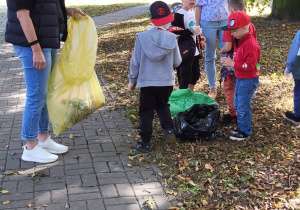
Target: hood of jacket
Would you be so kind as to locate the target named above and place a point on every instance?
(157, 43)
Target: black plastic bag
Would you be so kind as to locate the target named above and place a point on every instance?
(200, 122)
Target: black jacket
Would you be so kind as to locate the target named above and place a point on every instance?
(186, 43)
(44, 15)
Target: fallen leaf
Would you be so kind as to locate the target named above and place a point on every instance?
(129, 164)
(173, 208)
(236, 168)
(71, 136)
(131, 157)
(161, 165)
(210, 193)
(118, 152)
(20, 172)
(196, 166)
(133, 117)
(283, 25)
(4, 191)
(185, 163)
(29, 205)
(141, 159)
(170, 192)
(9, 172)
(209, 167)
(6, 202)
(204, 202)
(278, 185)
(192, 183)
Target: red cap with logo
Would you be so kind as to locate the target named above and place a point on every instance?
(237, 20)
(160, 13)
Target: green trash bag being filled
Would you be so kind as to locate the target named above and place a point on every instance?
(74, 91)
(183, 99)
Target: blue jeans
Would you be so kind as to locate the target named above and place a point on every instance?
(211, 31)
(244, 91)
(35, 115)
(297, 98)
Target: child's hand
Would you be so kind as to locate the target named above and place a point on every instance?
(202, 45)
(131, 86)
(288, 74)
(228, 62)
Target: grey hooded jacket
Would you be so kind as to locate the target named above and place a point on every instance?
(156, 54)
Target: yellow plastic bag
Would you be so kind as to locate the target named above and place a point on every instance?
(74, 91)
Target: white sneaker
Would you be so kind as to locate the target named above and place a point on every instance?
(53, 147)
(39, 155)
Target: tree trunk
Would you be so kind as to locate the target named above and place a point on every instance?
(286, 9)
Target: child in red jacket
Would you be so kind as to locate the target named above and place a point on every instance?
(246, 70)
(227, 73)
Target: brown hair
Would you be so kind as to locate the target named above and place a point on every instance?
(237, 5)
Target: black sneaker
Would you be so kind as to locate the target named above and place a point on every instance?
(291, 117)
(140, 148)
(170, 137)
(235, 131)
(238, 136)
(228, 119)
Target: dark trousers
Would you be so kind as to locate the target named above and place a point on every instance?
(188, 72)
(154, 98)
(297, 98)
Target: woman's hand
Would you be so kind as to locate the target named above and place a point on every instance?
(39, 61)
(72, 11)
(202, 45)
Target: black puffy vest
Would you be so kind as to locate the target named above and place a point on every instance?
(44, 16)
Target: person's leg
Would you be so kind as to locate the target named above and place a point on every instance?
(297, 98)
(220, 33)
(162, 109)
(43, 132)
(185, 74)
(209, 29)
(36, 94)
(245, 89)
(146, 113)
(229, 91)
(195, 72)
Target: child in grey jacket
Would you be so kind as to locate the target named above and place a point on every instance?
(155, 55)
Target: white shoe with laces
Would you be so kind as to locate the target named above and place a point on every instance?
(37, 154)
(53, 147)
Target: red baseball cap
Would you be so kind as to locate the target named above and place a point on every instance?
(237, 20)
(160, 13)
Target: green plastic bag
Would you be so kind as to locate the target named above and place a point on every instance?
(183, 99)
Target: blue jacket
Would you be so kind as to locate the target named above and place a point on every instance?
(155, 55)
(293, 60)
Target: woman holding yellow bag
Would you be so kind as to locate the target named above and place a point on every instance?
(35, 28)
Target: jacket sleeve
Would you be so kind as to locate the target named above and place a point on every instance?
(177, 57)
(249, 59)
(179, 22)
(295, 47)
(21, 4)
(135, 62)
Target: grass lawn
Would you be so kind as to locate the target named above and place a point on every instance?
(97, 10)
(259, 173)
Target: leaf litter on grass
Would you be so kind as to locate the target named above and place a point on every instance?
(261, 172)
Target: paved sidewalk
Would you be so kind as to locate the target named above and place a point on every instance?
(92, 175)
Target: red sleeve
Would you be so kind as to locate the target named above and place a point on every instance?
(227, 37)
